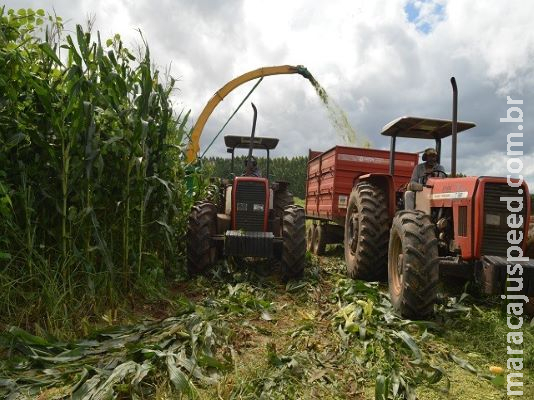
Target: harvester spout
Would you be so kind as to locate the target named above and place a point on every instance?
(302, 70)
(194, 145)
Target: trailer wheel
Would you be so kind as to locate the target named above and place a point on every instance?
(319, 244)
(202, 225)
(366, 233)
(413, 267)
(294, 247)
(310, 237)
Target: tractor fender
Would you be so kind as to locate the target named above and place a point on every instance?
(384, 182)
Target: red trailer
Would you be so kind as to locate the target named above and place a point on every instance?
(332, 175)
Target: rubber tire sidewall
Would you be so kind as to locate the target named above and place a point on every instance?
(420, 271)
(311, 231)
(294, 245)
(369, 262)
(320, 240)
(202, 225)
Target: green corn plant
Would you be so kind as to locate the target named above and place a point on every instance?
(91, 170)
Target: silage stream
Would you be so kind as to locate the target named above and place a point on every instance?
(338, 118)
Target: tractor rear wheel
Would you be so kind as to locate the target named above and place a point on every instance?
(202, 225)
(366, 233)
(413, 267)
(294, 247)
(319, 244)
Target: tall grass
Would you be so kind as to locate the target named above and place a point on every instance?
(92, 191)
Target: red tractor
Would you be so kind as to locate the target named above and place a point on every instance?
(250, 217)
(458, 225)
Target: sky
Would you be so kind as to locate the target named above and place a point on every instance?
(377, 60)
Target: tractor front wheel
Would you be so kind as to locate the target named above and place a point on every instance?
(413, 265)
(294, 246)
(282, 199)
(202, 225)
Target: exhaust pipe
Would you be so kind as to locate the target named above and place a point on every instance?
(454, 124)
(253, 131)
(251, 147)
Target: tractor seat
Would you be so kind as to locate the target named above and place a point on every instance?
(409, 194)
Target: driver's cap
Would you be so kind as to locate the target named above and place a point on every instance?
(428, 152)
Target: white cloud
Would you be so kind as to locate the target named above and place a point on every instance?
(376, 59)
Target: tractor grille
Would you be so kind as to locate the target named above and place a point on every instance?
(495, 242)
(250, 203)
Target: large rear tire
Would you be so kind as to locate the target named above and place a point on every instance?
(367, 233)
(413, 267)
(294, 246)
(202, 225)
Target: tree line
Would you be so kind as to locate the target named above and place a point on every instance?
(292, 170)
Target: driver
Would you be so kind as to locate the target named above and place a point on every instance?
(429, 167)
(251, 168)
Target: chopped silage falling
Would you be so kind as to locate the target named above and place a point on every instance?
(338, 118)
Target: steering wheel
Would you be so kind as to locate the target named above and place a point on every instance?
(434, 174)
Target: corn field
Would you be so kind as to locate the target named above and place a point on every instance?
(92, 189)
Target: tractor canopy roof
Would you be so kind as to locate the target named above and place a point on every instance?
(423, 128)
(243, 142)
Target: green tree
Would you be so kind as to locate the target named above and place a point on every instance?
(292, 170)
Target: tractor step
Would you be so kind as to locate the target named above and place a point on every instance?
(249, 244)
(492, 275)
